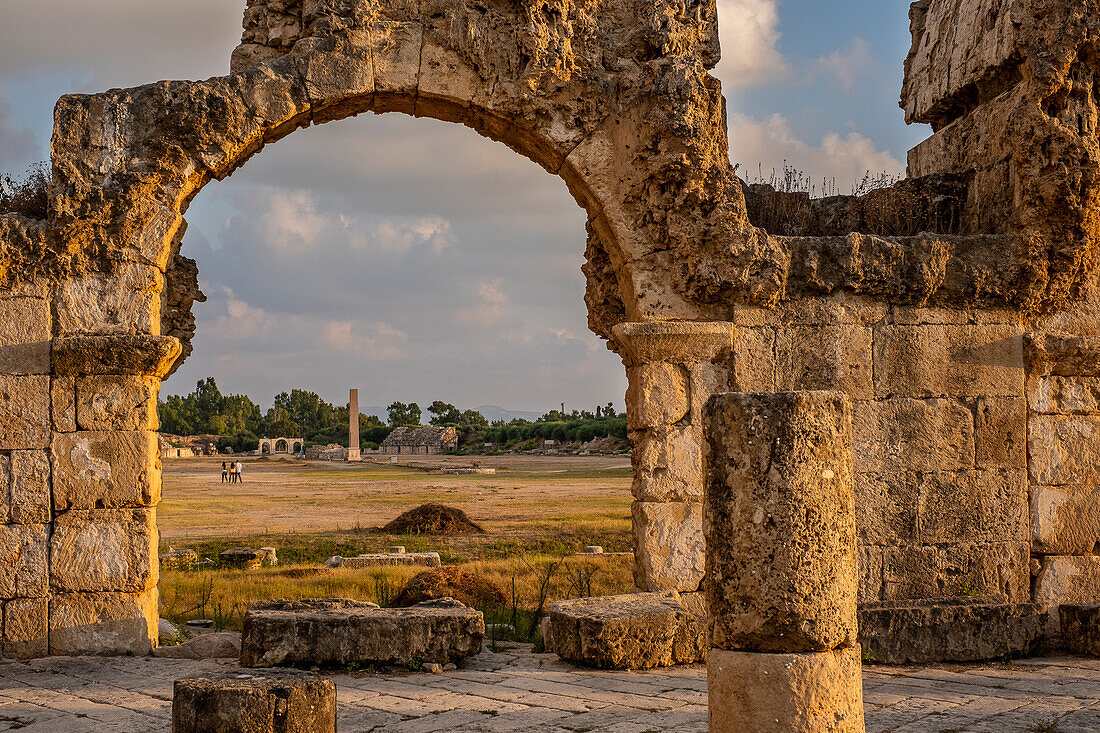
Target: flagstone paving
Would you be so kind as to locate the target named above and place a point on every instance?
(515, 690)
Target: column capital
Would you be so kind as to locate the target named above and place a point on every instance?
(678, 342)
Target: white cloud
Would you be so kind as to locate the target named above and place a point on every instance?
(402, 236)
(749, 33)
(847, 63)
(292, 221)
(762, 146)
(491, 308)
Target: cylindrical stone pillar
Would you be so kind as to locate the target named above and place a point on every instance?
(353, 426)
(781, 573)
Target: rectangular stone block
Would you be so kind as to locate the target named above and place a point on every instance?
(25, 625)
(1064, 395)
(23, 560)
(972, 507)
(25, 332)
(706, 379)
(1080, 625)
(886, 508)
(126, 402)
(781, 568)
(668, 545)
(126, 301)
(870, 573)
(656, 395)
(993, 570)
(1001, 432)
(668, 464)
(1065, 520)
(262, 701)
(24, 412)
(753, 360)
(63, 400)
(941, 361)
(103, 623)
(104, 550)
(1064, 449)
(782, 693)
(396, 57)
(904, 434)
(105, 470)
(824, 357)
(1068, 580)
(27, 500)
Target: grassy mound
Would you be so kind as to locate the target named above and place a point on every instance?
(472, 589)
(433, 519)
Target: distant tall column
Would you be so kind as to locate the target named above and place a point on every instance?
(353, 426)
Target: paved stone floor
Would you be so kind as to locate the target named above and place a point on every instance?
(515, 690)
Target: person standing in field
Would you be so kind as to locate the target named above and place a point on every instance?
(232, 472)
(240, 476)
(225, 472)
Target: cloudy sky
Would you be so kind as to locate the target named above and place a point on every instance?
(412, 258)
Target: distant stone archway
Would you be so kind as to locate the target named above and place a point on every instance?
(920, 318)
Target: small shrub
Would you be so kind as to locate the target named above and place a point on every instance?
(26, 196)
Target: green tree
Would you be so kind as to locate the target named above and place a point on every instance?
(402, 415)
(444, 413)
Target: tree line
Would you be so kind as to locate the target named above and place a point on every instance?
(239, 422)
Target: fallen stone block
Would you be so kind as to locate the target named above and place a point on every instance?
(379, 559)
(1081, 628)
(243, 558)
(254, 701)
(178, 559)
(337, 632)
(218, 645)
(949, 631)
(637, 631)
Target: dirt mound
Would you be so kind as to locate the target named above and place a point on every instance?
(433, 519)
(476, 591)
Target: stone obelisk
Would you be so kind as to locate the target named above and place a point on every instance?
(353, 426)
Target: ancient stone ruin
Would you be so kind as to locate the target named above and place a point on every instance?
(958, 309)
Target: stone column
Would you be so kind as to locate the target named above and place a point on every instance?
(781, 576)
(353, 426)
(673, 368)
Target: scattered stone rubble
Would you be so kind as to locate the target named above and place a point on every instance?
(338, 632)
(381, 559)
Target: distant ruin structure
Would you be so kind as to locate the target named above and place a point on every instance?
(280, 446)
(353, 426)
(957, 310)
(429, 440)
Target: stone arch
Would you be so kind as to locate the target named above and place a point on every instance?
(265, 446)
(296, 446)
(281, 446)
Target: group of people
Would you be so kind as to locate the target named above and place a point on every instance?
(231, 472)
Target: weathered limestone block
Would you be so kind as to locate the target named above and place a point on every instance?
(126, 301)
(63, 404)
(668, 545)
(216, 645)
(1080, 627)
(337, 632)
(965, 630)
(1064, 449)
(992, 570)
(1064, 395)
(973, 506)
(870, 573)
(104, 550)
(1000, 433)
(103, 623)
(254, 701)
(27, 500)
(106, 470)
(656, 396)
(25, 332)
(117, 354)
(24, 412)
(941, 361)
(23, 560)
(1065, 520)
(374, 560)
(682, 342)
(338, 75)
(25, 628)
(638, 631)
(706, 379)
(127, 402)
(1068, 580)
(815, 692)
(915, 435)
(780, 522)
(824, 357)
(396, 55)
(668, 464)
(753, 360)
(886, 508)
(242, 558)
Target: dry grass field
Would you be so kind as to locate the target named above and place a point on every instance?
(537, 513)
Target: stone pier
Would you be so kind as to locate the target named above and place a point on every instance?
(353, 426)
(781, 573)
